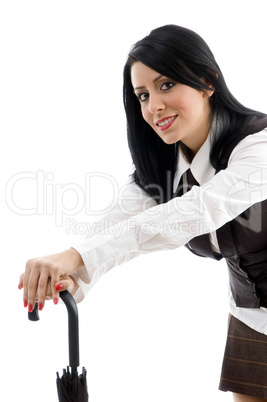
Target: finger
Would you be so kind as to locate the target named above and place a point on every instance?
(36, 269)
(32, 292)
(56, 274)
(43, 286)
(48, 290)
(26, 276)
(20, 286)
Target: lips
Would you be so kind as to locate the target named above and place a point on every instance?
(166, 122)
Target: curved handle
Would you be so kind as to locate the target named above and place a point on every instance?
(72, 309)
(73, 329)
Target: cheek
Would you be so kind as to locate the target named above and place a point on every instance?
(197, 103)
(188, 100)
(146, 115)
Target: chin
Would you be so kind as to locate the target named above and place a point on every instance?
(170, 140)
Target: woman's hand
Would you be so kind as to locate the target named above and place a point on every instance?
(44, 277)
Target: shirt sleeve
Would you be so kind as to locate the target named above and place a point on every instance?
(144, 227)
(131, 201)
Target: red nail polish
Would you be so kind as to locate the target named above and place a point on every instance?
(55, 301)
(41, 306)
(25, 303)
(59, 287)
(19, 287)
(30, 308)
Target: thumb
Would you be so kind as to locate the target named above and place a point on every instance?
(65, 284)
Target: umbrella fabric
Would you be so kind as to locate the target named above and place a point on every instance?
(72, 390)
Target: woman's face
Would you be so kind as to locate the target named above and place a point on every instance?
(175, 111)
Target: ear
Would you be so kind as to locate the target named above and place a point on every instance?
(207, 93)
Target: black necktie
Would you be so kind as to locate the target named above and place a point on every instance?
(199, 245)
(187, 181)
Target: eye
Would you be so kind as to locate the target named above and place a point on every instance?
(167, 85)
(143, 96)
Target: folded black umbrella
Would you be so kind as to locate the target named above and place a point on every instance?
(71, 386)
(72, 389)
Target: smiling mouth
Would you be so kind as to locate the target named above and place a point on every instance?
(164, 124)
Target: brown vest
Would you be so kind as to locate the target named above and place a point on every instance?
(243, 244)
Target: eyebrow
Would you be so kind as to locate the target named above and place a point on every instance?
(154, 81)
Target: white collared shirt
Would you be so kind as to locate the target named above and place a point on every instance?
(138, 225)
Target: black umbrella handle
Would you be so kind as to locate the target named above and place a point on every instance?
(72, 309)
(34, 314)
(73, 329)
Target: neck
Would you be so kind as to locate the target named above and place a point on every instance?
(200, 136)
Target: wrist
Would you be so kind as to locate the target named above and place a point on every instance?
(75, 260)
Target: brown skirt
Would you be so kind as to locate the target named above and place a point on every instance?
(244, 368)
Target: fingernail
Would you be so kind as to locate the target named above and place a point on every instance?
(19, 287)
(41, 306)
(58, 287)
(55, 301)
(25, 303)
(30, 308)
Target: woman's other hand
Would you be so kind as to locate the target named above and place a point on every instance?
(45, 277)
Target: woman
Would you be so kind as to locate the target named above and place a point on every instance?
(200, 180)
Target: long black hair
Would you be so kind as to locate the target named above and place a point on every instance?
(181, 55)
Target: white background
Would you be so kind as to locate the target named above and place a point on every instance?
(145, 334)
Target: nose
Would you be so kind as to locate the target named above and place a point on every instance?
(156, 104)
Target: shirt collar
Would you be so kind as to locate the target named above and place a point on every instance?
(200, 166)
